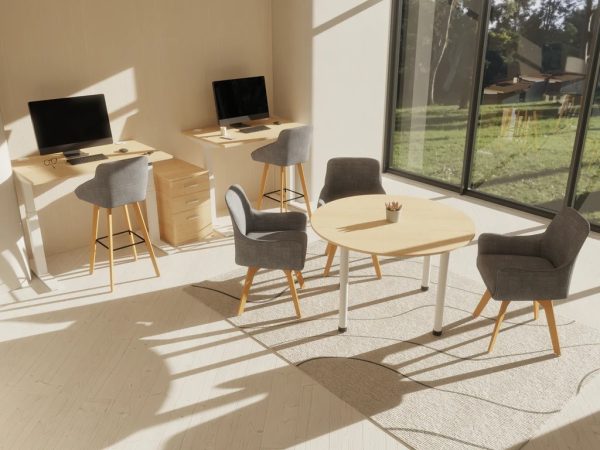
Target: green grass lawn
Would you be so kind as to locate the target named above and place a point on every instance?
(527, 163)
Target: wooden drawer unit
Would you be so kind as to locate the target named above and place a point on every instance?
(183, 196)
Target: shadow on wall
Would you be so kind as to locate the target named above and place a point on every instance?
(13, 262)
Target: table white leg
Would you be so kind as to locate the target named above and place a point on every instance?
(426, 272)
(438, 321)
(343, 324)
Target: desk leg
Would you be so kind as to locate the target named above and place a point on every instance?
(31, 224)
(426, 272)
(152, 209)
(209, 165)
(438, 321)
(343, 324)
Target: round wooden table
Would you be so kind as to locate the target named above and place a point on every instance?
(425, 228)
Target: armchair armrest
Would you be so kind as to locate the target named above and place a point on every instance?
(291, 221)
(498, 244)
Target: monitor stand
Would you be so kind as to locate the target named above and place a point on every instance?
(239, 125)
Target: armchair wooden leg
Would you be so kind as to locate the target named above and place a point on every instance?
(110, 247)
(300, 278)
(263, 182)
(95, 217)
(549, 310)
(377, 266)
(328, 248)
(536, 310)
(330, 256)
(304, 190)
(131, 238)
(499, 320)
(247, 284)
(485, 298)
(140, 218)
(290, 278)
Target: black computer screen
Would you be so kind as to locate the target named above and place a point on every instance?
(241, 99)
(65, 124)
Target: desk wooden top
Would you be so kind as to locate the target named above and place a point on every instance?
(35, 171)
(212, 134)
(425, 227)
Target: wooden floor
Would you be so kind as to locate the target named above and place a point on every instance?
(149, 366)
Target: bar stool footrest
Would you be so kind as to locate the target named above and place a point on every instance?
(141, 240)
(297, 195)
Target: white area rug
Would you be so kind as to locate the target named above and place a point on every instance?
(430, 392)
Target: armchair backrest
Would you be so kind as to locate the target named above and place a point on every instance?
(346, 177)
(564, 237)
(239, 208)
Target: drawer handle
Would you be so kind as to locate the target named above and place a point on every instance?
(191, 185)
(192, 217)
(197, 200)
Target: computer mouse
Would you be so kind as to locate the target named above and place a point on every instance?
(277, 122)
(123, 150)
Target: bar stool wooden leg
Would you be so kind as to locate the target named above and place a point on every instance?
(95, 217)
(131, 238)
(304, 190)
(536, 310)
(293, 292)
(140, 218)
(263, 182)
(247, 285)
(285, 184)
(282, 186)
(330, 256)
(110, 247)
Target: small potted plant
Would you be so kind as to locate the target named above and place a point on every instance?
(392, 211)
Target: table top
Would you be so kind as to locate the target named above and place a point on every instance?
(34, 170)
(212, 134)
(426, 227)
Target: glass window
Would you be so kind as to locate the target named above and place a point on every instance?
(535, 69)
(437, 54)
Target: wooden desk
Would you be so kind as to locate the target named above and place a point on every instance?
(214, 146)
(34, 171)
(425, 228)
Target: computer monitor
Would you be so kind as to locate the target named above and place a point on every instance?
(240, 99)
(70, 124)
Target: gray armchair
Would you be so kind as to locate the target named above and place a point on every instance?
(346, 177)
(537, 267)
(268, 241)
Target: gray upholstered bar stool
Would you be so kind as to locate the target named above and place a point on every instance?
(346, 177)
(116, 184)
(534, 268)
(291, 149)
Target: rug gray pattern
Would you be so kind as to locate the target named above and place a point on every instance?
(430, 392)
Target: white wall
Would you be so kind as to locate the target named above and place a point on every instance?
(13, 263)
(330, 69)
(153, 60)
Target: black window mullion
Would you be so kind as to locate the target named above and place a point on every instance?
(478, 69)
(584, 115)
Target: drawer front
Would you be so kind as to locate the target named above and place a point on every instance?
(187, 226)
(183, 186)
(173, 205)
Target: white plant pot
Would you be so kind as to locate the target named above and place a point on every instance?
(392, 216)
